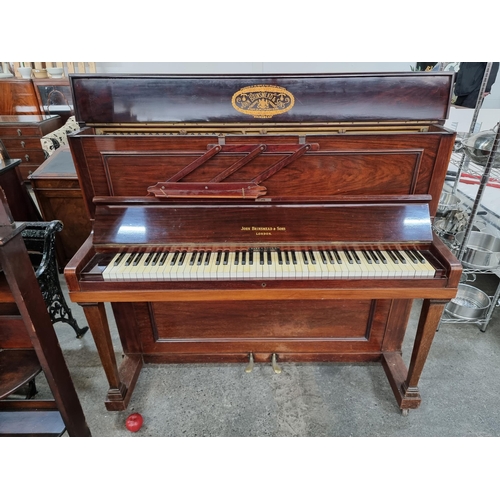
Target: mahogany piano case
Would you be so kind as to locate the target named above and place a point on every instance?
(272, 218)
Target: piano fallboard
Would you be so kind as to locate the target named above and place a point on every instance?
(260, 223)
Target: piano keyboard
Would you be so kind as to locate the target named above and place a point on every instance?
(268, 264)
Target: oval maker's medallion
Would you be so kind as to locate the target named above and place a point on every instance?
(263, 101)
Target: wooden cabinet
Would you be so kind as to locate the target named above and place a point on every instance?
(20, 202)
(18, 97)
(38, 96)
(59, 197)
(21, 136)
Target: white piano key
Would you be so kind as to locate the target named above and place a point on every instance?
(224, 271)
(425, 268)
(279, 264)
(125, 270)
(137, 269)
(394, 271)
(110, 272)
(147, 267)
(211, 271)
(368, 269)
(162, 266)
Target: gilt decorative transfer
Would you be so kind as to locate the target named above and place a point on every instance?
(263, 101)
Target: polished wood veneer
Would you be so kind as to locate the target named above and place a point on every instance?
(322, 161)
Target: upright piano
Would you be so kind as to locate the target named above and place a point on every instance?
(262, 218)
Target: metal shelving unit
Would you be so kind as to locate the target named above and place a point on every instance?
(484, 175)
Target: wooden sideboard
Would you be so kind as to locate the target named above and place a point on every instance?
(59, 197)
(21, 136)
(20, 202)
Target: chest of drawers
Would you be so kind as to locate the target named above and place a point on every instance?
(21, 136)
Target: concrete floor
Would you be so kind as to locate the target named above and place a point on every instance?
(459, 388)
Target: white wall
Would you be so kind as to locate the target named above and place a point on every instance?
(248, 67)
(460, 119)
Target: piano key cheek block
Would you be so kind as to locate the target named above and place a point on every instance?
(262, 219)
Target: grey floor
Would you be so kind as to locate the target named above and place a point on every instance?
(460, 389)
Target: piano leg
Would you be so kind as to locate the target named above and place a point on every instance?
(404, 382)
(121, 380)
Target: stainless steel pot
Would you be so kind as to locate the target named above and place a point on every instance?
(469, 303)
(447, 203)
(478, 148)
(482, 250)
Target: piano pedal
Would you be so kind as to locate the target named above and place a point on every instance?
(274, 363)
(249, 367)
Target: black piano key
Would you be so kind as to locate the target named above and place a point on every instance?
(219, 257)
(261, 261)
(148, 259)
(400, 257)
(226, 258)
(163, 258)
(294, 257)
(156, 257)
(348, 257)
(250, 257)
(331, 257)
(355, 256)
(312, 258)
(174, 258)
(280, 257)
(392, 256)
(200, 258)
(183, 258)
(236, 258)
(304, 257)
(337, 256)
(374, 256)
(119, 259)
(287, 258)
(130, 259)
(269, 258)
(192, 260)
(323, 257)
(418, 255)
(381, 256)
(367, 256)
(207, 258)
(411, 256)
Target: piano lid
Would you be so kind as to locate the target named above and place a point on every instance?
(306, 98)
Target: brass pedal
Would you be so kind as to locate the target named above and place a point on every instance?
(274, 363)
(249, 367)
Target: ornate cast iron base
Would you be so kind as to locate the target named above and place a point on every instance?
(40, 239)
